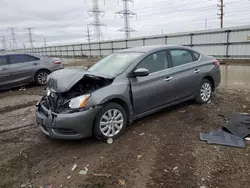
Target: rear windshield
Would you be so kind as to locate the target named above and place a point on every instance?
(115, 63)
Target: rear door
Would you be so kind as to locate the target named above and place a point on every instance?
(4, 71)
(22, 67)
(185, 72)
(149, 92)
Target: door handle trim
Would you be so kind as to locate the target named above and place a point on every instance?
(168, 78)
(197, 70)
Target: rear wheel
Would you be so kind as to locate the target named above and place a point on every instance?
(41, 77)
(110, 122)
(205, 92)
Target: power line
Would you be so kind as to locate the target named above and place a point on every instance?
(88, 35)
(30, 34)
(13, 38)
(4, 43)
(126, 14)
(221, 14)
(96, 13)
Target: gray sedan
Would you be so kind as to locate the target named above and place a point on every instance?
(20, 69)
(122, 87)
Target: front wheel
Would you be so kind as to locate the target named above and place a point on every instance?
(205, 92)
(110, 122)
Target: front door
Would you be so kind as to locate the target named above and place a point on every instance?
(4, 71)
(149, 92)
(22, 67)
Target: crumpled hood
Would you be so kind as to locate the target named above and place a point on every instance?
(64, 79)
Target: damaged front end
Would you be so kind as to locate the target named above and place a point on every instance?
(69, 91)
(63, 112)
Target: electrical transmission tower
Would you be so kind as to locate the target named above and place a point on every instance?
(4, 43)
(13, 38)
(88, 35)
(221, 14)
(96, 13)
(126, 14)
(30, 34)
(45, 42)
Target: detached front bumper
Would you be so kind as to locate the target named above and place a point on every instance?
(66, 126)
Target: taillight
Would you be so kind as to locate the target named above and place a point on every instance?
(216, 62)
(57, 62)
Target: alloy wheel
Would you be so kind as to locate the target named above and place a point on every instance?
(111, 122)
(205, 91)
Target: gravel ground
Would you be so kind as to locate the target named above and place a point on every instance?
(160, 150)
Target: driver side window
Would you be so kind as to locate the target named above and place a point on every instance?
(154, 62)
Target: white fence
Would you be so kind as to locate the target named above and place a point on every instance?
(221, 43)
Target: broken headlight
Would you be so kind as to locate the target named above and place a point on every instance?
(78, 102)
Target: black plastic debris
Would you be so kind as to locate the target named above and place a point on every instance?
(222, 138)
(236, 128)
(237, 123)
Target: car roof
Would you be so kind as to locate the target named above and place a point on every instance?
(19, 53)
(145, 49)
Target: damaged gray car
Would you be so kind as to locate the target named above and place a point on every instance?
(122, 87)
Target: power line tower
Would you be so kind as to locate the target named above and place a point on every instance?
(126, 14)
(13, 38)
(96, 13)
(221, 14)
(4, 43)
(88, 35)
(30, 34)
(45, 42)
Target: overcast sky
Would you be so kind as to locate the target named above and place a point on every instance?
(64, 21)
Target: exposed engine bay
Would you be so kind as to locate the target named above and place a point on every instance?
(59, 102)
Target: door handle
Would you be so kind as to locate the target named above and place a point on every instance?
(4, 69)
(168, 79)
(197, 70)
(35, 63)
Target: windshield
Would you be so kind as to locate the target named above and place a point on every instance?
(114, 64)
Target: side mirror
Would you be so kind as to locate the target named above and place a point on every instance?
(140, 72)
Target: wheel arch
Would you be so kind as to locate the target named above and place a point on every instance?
(211, 80)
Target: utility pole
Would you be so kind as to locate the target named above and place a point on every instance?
(96, 13)
(13, 38)
(4, 43)
(126, 14)
(221, 14)
(88, 35)
(45, 42)
(205, 24)
(24, 46)
(30, 37)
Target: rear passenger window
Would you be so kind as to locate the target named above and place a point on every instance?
(3, 60)
(196, 56)
(180, 57)
(21, 58)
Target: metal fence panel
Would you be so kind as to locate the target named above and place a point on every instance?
(239, 36)
(179, 40)
(119, 44)
(157, 41)
(134, 43)
(106, 45)
(211, 50)
(210, 38)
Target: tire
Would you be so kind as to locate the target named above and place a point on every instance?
(41, 77)
(109, 129)
(205, 92)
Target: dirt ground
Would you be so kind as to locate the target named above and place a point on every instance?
(161, 150)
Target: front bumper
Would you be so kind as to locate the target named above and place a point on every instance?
(66, 126)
